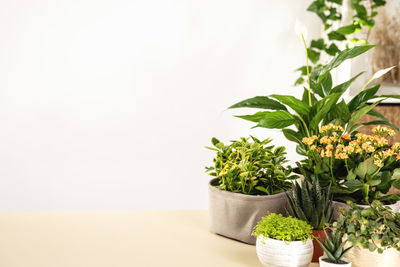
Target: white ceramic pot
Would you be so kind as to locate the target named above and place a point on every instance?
(364, 258)
(328, 264)
(272, 252)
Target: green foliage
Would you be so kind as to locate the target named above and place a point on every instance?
(320, 104)
(334, 245)
(310, 203)
(283, 228)
(329, 11)
(376, 228)
(252, 168)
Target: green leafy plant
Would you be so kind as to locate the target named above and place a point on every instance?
(252, 168)
(320, 104)
(287, 229)
(360, 167)
(334, 246)
(376, 228)
(336, 36)
(310, 203)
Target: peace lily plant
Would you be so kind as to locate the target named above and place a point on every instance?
(321, 103)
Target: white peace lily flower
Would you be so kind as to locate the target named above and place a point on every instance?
(380, 73)
(300, 29)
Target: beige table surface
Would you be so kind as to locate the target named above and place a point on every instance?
(117, 238)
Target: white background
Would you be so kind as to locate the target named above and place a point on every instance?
(108, 104)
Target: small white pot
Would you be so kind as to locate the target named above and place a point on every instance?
(328, 264)
(272, 252)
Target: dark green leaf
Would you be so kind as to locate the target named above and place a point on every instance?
(332, 50)
(319, 44)
(360, 113)
(325, 105)
(349, 29)
(362, 98)
(271, 119)
(334, 35)
(294, 103)
(259, 102)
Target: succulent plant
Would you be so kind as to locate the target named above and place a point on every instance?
(311, 203)
(334, 246)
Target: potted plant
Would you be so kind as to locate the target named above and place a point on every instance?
(321, 103)
(374, 232)
(334, 248)
(361, 168)
(312, 204)
(250, 180)
(283, 241)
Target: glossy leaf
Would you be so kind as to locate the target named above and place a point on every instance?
(271, 119)
(294, 103)
(262, 102)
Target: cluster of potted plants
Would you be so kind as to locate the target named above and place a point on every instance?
(336, 204)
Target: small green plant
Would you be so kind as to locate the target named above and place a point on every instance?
(287, 229)
(334, 246)
(251, 168)
(376, 228)
(311, 203)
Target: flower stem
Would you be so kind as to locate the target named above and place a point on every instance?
(308, 71)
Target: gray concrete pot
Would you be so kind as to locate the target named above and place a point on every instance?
(234, 215)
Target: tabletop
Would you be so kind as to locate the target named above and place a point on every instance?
(117, 238)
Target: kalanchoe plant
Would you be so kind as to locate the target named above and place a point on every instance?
(376, 228)
(319, 105)
(334, 246)
(310, 203)
(361, 168)
(252, 168)
(287, 229)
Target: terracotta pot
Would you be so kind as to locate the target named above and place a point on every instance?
(318, 251)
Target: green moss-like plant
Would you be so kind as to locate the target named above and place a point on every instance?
(251, 168)
(286, 229)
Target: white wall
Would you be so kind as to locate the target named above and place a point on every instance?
(108, 104)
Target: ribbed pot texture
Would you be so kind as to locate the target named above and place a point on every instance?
(318, 251)
(234, 215)
(364, 258)
(276, 253)
(323, 263)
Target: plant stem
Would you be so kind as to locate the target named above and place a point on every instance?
(331, 168)
(308, 72)
(304, 124)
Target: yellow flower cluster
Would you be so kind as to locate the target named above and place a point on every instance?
(330, 127)
(309, 140)
(383, 130)
(341, 146)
